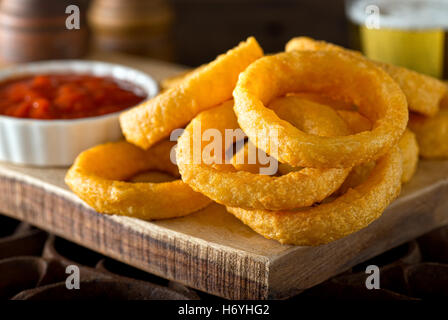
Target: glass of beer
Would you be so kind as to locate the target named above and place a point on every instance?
(408, 33)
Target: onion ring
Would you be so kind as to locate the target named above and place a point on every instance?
(245, 189)
(209, 86)
(407, 144)
(246, 165)
(352, 119)
(409, 150)
(327, 222)
(422, 92)
(312, 117)
(338, 74)
(432, 134)
(99, 176)
(355, 121)
(308, 115)
(347, 111)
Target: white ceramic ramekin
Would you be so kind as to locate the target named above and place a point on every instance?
(58, 142)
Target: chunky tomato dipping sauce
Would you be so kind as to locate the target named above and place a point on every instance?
(66, 96)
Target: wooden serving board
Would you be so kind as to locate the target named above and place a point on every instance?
(211, 250)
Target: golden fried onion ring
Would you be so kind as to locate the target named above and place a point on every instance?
(99, 177)
(352, 119)
(407, 144)
(245, 189)
(422, 92)
(306, 114)
(432, 134)
(205, 88)
(311, 117)
(327, 222)
(355, 121)
(409, 151)
(338, 74)
(325, 100)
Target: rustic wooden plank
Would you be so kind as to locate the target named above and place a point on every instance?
(211, 250)
(142, 244)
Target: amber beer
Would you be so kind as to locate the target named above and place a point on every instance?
(409, 33)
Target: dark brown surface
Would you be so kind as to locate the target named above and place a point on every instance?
(409, 272)
(39, 272)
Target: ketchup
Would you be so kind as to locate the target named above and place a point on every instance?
(66, 96)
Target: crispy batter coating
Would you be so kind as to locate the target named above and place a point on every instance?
(325, 100)
(174, 81)
(355, 121)
(358, 175)
(432, 134)
(327, 222)
(338, 75)
(407, 144)
(209, 86)
(100, 176)
(245, 189)
(423, 92)
(304, 112)
(309, 116)
(352, 119)
(348, 112)
(409, 150)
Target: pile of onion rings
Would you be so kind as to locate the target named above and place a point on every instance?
(102, 176)
(248, 190)
(304, 146)
(334, 73)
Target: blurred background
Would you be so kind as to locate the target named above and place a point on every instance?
(189, 32)
(205, 28)
(411, 33)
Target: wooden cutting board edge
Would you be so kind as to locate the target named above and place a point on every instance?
(210, 267)
(426, 208)
(188, 260)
